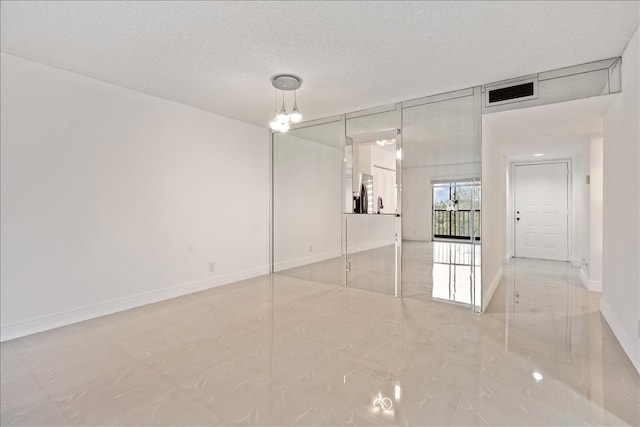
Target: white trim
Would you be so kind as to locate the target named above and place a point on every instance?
(17, 330)
(447, 96)
(584, 277)
(625, 340)
(576, 262)
(491, 289)
(369, 246)
(298, 262)
(595, 286)
(507, 258)
(371, 111)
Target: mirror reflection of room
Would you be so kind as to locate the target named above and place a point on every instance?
(374, 174)
(441, 208)
(371, 244)
(306, 203)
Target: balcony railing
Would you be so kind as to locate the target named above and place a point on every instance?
(456, 224)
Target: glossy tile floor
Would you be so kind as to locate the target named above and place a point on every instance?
(280, 350)
(442, 270)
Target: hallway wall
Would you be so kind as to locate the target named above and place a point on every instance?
(620, 303)
(112, 198)
(596, 208)
(491, 213)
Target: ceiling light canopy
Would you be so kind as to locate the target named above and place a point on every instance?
(282, 119)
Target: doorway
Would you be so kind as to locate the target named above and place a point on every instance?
(541, 202)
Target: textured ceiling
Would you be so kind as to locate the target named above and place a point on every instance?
(219, 56)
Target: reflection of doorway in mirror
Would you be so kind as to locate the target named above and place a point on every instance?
(380, 163)
(384, 186)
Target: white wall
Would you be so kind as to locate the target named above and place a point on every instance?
(493, 171)
(112, 199)
(366, 232)
(381, 164)
(581, 209)
(595, 215)
(620, 302)
(383, 169)
(504, 199)
(307, 201)
(509, 251)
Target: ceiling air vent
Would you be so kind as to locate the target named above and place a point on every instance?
(512, 92)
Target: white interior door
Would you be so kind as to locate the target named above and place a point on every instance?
(541, 211)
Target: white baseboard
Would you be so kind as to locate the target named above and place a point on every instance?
(595, 286)
(299, 262)
(591, 285)
(507, 258)
(491, 288)
(584, 277)
(626, 340)
(17, 330)
(576, 262)
(369, 246)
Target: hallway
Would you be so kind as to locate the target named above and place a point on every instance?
(279, 350)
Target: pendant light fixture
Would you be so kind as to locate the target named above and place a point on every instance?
(273, 124)
(282, 119)
(295, 115)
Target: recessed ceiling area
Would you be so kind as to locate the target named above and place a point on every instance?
(555, 130)
(220, 56)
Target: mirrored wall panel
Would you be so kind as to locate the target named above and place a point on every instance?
(307, 203)
(441, 197)
(370, 197)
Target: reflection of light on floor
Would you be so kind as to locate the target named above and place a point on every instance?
(383, 405)
(454, 273)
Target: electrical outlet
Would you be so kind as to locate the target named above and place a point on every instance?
(212, 266)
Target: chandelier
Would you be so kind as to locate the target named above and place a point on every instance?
(282, 119)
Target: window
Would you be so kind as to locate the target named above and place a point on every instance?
(456, 210)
